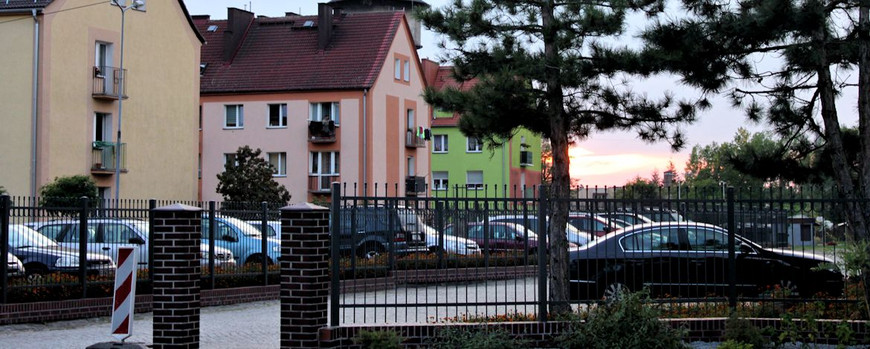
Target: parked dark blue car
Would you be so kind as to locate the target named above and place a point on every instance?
(41, 255)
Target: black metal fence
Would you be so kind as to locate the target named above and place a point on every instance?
(481, 260)
(45, 243)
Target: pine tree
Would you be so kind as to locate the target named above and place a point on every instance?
(541, 65)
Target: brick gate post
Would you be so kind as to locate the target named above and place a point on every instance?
(176, 235)
(304, 274)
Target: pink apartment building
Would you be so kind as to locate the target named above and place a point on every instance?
(332, 97)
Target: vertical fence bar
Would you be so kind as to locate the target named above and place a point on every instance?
(264, 207)
(4, 248)
(732, 262)
(334, 284)
(543, 202)
(211, 229)
(439, 224)
(83, 245)
(152, 204)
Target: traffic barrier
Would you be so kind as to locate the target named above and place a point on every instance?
(125, 293)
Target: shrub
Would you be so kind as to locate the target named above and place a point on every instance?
(732, 344)
(628, 322)
(61, 197)
(476, 337)
(378, 339)
(742, 331)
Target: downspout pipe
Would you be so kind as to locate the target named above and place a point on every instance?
(34, 113)
(365, 179)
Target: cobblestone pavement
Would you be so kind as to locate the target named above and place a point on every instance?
(249, 325)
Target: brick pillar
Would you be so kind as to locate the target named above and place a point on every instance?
(304, 274)
(176, 235)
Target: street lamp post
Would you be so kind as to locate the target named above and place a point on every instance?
(122, 84)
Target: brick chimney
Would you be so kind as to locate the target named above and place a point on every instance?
(324, 25)
(237, 24)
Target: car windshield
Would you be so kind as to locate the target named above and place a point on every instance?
(246, 228)
(23, 237)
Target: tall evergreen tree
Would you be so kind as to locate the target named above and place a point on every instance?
(820, 44)
(249, 179)
(543, 65)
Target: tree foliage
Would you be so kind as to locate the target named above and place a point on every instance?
(64, 194)
(249, 179)
(817, 47)
(641, 189)
(545, 66)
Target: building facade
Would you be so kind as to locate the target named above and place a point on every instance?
(465, 166)
(60, 96)
(329, 98)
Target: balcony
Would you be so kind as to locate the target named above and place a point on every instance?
(321, 131)
(321, 184)
(415, 185)
(413, 141)
(108, 82)
(103, 157)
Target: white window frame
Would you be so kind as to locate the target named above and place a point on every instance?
(411, 166)
(411, 120)
(407, 71)
(230, 157)
(398, 69)
(239, 116)
(106, 120)
(472, 184)
(439, 144)
(279, 161)
(316, 159)
(282, 115)
(315, 111)
(440, 180)
(476, 147)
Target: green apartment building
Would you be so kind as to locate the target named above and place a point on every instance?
(463, 166)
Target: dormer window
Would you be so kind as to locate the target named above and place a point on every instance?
(212, 28)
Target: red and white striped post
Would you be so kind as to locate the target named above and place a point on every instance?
(125, 293)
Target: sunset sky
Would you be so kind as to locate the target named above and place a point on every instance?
(604, 158)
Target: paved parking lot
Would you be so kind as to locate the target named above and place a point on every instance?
(248, 325)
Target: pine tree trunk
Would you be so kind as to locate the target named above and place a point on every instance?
(864, 130)
(558, 241)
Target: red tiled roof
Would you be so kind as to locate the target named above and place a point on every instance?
(443, 79)
(281, 54)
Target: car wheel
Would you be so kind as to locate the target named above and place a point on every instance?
(258, 260)
(35, 271)
(614, 291)
(788, 288)
(369, 250)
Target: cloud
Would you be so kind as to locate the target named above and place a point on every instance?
(616, 169)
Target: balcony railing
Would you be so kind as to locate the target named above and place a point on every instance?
(321, 183)
(108, 81)
(321, 131)
(412, 141)
(103, 157)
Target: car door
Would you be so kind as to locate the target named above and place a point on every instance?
(67, 234)
(653, 258)
(752, 268)
(113, 235)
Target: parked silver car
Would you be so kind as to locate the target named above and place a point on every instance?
(41, 255)
(14, 267)
(106, 235)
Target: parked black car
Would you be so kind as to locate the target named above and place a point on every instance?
(41, 255)
(497, 236)
(370, 230)
(691, 260)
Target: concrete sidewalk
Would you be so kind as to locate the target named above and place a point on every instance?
(247, 325)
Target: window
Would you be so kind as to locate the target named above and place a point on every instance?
(707, 240)
(115, 233)
(411, 122)
(235, 116)
(412, 166)
(322, 167)
(474, 180)
(277, 115)
(474, 145)
(398, 69)
(407, 71)
(439, 143)
(324, 111)
(102, 57)
(439, 180)
(102, 127)
(230, 159)
(279, 164)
